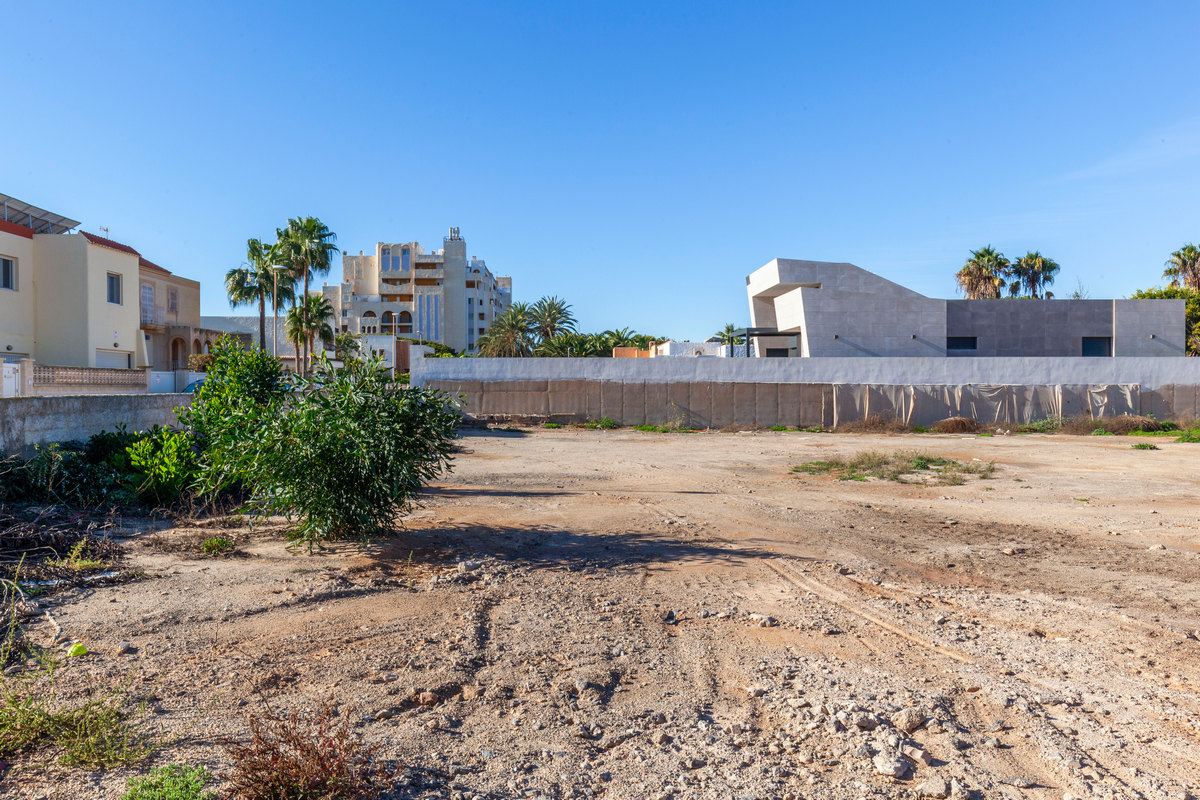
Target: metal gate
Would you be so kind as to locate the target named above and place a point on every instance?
(162, 382)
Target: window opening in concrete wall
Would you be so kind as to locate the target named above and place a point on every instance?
(8, 274)
(776, 352)
(962, 343)
(1097, 346)
(114, 288)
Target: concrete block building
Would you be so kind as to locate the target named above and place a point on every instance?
(401, 290)
(821, 309)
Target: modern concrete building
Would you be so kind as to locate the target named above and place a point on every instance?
(401, 290)
(818, 308)
(83, 300)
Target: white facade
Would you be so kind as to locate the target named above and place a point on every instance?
(401, 290)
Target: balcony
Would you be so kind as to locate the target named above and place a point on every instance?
(153, 317)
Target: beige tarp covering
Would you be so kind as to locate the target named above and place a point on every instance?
(1014, 405)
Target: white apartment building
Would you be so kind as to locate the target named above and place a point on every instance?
(401, 290)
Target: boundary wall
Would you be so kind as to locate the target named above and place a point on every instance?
(718, 393)
(26, 421)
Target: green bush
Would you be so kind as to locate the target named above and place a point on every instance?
(604, 424)
(167, 464)
(343, 456)
(1145, 446)
(1192, 436)
(172, 782)
(64, 474)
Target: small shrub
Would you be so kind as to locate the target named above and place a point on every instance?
(1047, 425)
(956, 425)
(778, 428)
(216, 546)
(167, 463)
(302, 757)
(1192, 436)
(920, 429)
(171, 782)
(77, 559)
(199, 362)
(552, 425)
(1102, 432)
(1144, 446)
(604, 424)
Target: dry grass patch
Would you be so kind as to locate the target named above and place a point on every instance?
(877, 423)
(956, 425)
(902, 466)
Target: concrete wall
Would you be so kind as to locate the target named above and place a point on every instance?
(26, 421)
(1149, 328)
(1039, 328)
(1149, 373)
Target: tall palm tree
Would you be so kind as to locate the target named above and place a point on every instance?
(726, 335)
(255, 282)
(1034, 272)
(551, 316)
(307, 246)
(511, 334)
(621, 337)
(1183, 267)
(985, 275)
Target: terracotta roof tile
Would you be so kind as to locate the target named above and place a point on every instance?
(109, 243)
(150, 265)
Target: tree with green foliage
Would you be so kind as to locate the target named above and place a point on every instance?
(985, 275)
(1191, 298)
(1183, 267)
(317, 320)
(1031, 274)
(255, 282)
(511, 335)
(727, 335)
(551, 316)
(346, 346)
(307, 246)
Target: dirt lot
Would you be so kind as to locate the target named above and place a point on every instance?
(647, 615)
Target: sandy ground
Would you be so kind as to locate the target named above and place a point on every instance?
(679, 615)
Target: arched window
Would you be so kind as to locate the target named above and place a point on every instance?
(405, 318)
(196, 347)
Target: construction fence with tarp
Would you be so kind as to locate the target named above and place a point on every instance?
(763, 405)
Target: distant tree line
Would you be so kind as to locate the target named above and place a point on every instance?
(548, 328)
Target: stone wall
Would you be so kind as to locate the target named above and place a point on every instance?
(26, 421)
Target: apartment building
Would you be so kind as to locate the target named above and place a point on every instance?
(83, 300)
(401, 290)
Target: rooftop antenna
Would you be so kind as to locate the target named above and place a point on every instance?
(103, 230)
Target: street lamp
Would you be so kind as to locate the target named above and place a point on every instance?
(275, 270)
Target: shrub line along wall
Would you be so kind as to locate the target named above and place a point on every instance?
(702, 392)
(26, 421)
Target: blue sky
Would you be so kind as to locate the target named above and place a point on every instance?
(636, 159)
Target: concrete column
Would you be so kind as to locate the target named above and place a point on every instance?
(25, 386)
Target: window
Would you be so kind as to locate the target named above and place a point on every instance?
(776, 352)
(481, 316)
(173, 300)
(8, 274)
(481, 331)
(114, 288)
(962, 343)
(1097, 346)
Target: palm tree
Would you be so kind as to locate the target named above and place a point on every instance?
(1184, 267)
(1033, 272)
(307, 246)
(551, 316)
(293, 328)
(511, 334)
(621, 337)
(985, 275)
(317, 317)
(255, 282)
(727, 336)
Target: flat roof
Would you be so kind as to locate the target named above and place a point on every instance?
(39, 219)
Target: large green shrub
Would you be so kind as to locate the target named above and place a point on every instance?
(343, 455)
(243, 389)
